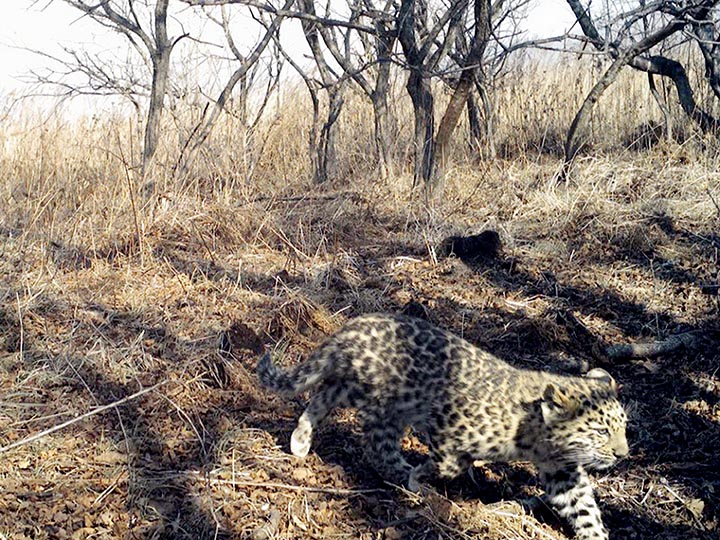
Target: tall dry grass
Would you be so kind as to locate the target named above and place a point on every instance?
(75, 178)
(72, 188)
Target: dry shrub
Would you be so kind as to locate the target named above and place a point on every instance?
(300, 319)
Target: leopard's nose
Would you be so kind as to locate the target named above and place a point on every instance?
(621, 449)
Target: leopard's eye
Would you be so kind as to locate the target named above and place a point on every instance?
(603, 431)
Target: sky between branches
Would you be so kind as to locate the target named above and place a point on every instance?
(47, 27)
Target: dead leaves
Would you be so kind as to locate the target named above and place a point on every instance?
(268, 529)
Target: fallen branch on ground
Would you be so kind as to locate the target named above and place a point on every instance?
(623, 351)
(349, 195)
(77, 419)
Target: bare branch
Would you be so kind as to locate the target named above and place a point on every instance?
(284, 12)
(622, 351)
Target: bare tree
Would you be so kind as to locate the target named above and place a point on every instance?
(333, 83)
(144, 24)
(243, 75)
(368, 63)
(470, 64)
(504, 37)
(424, 44)
(382, 47)
(470, 54)
(356, 41)
(322, 133)
(630, 40)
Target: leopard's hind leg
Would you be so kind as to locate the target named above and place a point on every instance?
(332, 394)
(383, 432)
(446, 461)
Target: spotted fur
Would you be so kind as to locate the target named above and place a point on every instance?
(400, 371)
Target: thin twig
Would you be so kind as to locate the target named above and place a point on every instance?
(299, 198)
(81, 417)
(204, 243)
(717, 206)
(22, 327)
(108, 490)
(131, 194)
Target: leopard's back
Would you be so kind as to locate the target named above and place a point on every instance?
(393, 356)
(433, 380)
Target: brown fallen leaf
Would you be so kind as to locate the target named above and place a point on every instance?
(696, 506)
(60, 517)
(302, 474)
(391, 533)
(268, 529)
(111, 457)
(439, 505)
(83, 533)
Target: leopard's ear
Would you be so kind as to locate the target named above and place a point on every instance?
(557, 404)
(602, 375)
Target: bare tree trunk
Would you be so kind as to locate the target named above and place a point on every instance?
(326, 149)
(161, 72)
(465, 84)
(654, 64)
(475, 126)
(314, 133)
(450, 119)
(381, 115)
(161, 68)
(243, 93)
(482, 133)
(488, 118)
(572, 144)
(379, 43)
(710, 49)
(418, 87)
(379, 98)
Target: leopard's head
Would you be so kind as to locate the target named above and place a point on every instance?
(585, 427)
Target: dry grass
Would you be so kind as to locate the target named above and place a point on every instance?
(109, 284)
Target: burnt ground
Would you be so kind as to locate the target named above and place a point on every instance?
(191, 305)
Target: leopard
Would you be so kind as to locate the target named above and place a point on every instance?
(471, 406)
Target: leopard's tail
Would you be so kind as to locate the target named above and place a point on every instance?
(292, 381)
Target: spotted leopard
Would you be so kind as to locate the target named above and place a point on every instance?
(400, 371)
